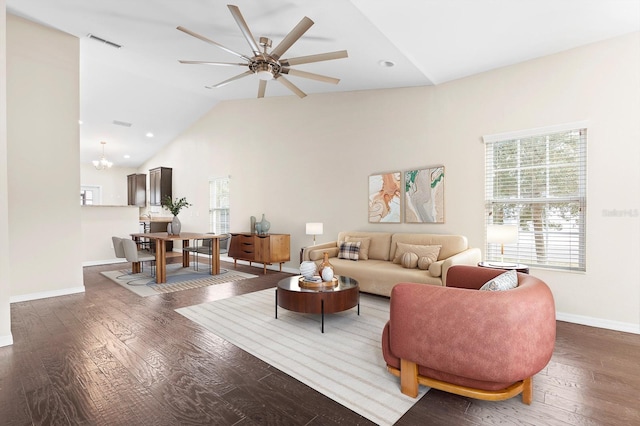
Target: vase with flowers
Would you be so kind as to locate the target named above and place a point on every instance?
(174, 206)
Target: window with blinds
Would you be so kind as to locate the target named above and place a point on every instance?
(219, 205)
(537, 181)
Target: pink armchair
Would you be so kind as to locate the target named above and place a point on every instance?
(480, 344)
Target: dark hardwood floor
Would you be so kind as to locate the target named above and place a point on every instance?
(109, 357)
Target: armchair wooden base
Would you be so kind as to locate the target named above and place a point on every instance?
(410, 379)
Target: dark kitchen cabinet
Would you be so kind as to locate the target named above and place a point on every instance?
(159, 185)
(137, 190)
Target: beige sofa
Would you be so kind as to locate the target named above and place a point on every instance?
(378, 274)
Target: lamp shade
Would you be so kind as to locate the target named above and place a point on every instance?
(314, 228)
(502, 234)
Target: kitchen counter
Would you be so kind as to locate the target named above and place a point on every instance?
(162, 219)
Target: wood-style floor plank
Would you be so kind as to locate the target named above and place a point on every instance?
(109, 357)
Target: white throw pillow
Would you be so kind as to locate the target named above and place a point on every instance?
(505, 281)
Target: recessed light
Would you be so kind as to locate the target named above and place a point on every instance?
(149, 135)
(386, 64)
(79, 121)
(126, 156)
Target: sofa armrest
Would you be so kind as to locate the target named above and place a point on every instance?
(306, 253)
(486, 335)
(470, 256)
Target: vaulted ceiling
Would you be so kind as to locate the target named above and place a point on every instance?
(428, 42)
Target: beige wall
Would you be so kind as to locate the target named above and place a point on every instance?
(43, 154)
(5, 311)
(99, 224)
(112, 182)
(309, 160)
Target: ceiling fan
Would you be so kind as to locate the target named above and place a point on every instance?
(268, 65)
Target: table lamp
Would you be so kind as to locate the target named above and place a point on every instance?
(314, 228)
(502, 234)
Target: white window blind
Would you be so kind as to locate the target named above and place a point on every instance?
(219, 205)
(538, 182)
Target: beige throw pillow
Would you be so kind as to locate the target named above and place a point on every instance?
(409, 260)
(364, 245)
(424, 263)
(430, 252)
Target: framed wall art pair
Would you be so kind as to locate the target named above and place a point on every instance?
(416, 194)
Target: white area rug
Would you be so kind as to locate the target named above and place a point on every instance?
(345, 363)
(178, 278)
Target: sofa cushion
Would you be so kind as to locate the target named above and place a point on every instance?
(420, 250)
(319, 254)
(505, 281)
(409, 260)
(349, 251)
(364, 245)
(379, 245)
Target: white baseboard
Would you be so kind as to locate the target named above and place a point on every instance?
(103, 262)
(46, 294)
(599, 322)
(6, 340)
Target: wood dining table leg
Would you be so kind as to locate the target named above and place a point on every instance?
(161, 262)
(215, 256)
(185, 254)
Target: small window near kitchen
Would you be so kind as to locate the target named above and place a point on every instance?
(219, 205)
(89, 195)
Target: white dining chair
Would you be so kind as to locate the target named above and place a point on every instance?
(119, 251)
(132, 254)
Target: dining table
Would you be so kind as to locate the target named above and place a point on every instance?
(160, 239)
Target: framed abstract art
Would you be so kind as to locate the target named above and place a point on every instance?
(424, 195)
(384, 197)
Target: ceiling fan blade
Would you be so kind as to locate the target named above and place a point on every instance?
(237, 77)
(289, 85)
(206, 40)
(291, 38)
(235, 11)
(312, 76)
(261, 88)
(225, 64)
(314, 58)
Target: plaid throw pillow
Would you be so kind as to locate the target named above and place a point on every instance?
(349, 250)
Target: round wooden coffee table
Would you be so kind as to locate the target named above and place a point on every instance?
(323, 300)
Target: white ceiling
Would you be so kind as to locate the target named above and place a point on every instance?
(429, 41)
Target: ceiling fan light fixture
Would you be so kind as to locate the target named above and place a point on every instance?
(264, 71)
(267, 65)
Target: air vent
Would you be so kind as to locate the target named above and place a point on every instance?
(122, 123)
(110, 43)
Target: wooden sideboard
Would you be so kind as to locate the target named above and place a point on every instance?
(266, 249)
